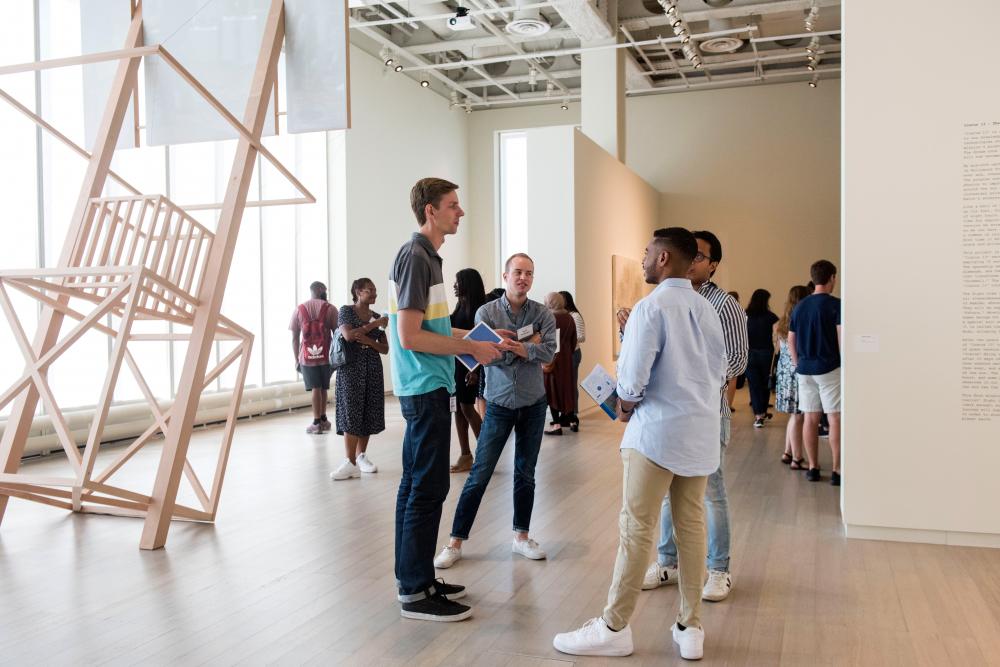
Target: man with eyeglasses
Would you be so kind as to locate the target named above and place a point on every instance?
(734, 329)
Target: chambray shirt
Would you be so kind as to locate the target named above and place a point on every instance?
(672, 363)
(515, 382)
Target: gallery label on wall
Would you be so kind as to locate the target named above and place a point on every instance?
(981, 271)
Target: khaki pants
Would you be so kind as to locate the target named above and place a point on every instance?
(643, 488)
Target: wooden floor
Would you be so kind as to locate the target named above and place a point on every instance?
(298, 570)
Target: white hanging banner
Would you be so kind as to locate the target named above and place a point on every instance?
(103, 27)
(219, 43)
(317, 63)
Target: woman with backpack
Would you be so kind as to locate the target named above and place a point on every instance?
(360, 392)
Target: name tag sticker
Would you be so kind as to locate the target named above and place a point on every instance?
(526, 332)
(453, 404)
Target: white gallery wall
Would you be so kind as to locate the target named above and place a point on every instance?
(759, 166)
(400, 134)
(921, 296)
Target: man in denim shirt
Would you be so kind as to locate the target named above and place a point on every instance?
(515, 400)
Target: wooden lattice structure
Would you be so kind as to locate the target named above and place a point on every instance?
(133, 258)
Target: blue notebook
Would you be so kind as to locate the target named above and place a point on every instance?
(481, 332)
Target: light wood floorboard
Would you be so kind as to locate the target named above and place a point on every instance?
(298, 569)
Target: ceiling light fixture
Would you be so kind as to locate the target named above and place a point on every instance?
(454, 100)
(468, 105)
(425, 83)
(398, 68)
(814, 81)
(811, 18)
(532, 77)
(549, 89)
(564, 106)
(386, 55)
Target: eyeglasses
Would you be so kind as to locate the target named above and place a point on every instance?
(701, 258)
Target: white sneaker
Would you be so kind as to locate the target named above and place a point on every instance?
(346, 470)
(448, 557)
(365, 465)
(691, 642)
(595, 638)
(717, 587)
(657, 575)
(528, 548)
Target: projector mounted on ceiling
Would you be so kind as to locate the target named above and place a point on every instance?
(461, 20)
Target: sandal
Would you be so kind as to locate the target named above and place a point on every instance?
(796, 464)
(786, 458)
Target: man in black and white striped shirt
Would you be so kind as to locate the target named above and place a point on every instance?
(734, 329)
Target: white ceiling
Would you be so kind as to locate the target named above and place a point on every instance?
(488, 67)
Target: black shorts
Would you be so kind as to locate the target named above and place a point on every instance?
(317, 377)
(465, 394)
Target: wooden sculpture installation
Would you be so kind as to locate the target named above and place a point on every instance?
(137, 257)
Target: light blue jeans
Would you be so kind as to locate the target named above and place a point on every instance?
(716, 512)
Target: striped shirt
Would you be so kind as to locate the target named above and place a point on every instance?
(416, 282)
(734, 330)
(581, 328)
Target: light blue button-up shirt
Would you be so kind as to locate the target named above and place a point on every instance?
(672, 365)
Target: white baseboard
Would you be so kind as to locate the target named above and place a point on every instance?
(944, 537)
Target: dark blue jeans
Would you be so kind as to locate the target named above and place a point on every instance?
(422, 488)
(527, 424)
(758, 376)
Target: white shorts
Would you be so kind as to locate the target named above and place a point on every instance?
(820, 393)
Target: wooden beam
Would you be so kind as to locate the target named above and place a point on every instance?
(212, 288)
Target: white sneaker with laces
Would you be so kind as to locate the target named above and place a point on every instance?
(691, 642)
(448, 557)
(528, 548)
(717, 587)
(346, 470)
(365, 465)
(658, 575)
(595, 638)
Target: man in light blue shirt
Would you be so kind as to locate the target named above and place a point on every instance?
(672, 364)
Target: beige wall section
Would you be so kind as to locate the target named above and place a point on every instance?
(910, 461)
(400, 133)
(616, 214)
(481, 195)
(758, 166)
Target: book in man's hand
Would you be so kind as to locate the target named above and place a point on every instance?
(482, 333)
(600, 386)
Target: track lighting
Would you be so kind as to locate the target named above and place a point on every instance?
(676, 23)
(398, 68)
(468, 105)
(814, 81)
(425, 83)
(386, 55)
(564, 106)
(549, 89)
(453, 104)
(532, 77)
(811, 18)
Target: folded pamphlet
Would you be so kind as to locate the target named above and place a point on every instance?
(600, 386)
(483, 333)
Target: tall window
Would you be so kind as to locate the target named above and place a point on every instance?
(513, 193)
(280, 250)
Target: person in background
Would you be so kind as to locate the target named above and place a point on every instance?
(471, 295)
(360, 394)
(786, 390)
(559, 373)
(814, 344)
(760, 337)
(312, 327)
(581, 337)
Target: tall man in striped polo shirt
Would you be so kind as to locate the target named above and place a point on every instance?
(734, 329)
(422, 346)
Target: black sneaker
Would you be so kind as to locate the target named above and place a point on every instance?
(450, 591)
(835, 478)
(436, 607)
(812, 474)
(758, 422)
